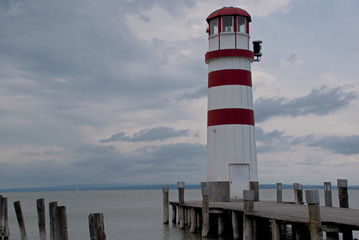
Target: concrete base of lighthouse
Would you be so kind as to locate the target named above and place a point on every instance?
(218, 191)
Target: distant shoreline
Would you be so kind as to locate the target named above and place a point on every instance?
(105, 187)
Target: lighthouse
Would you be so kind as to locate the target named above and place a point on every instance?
(231, 146)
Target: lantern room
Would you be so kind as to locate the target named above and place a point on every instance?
(228, 29)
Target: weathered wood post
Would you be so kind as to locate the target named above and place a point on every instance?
(1, 218)
(248, 206)
(199, 220)
(343, 193)
(52, 214)
(6, 232)
(328, 194)
(205, 209)
(97, 226)
(61, 224)
(220, 221)
(254, 185)
(298, 193)
(279, 193)
(174, 214)
(166, 213)
(344, 202)
(275, 229)
(237, 224)
(315, 225)
(329, 203)
(40, 206)
(20, 219)
(193, 220)
(181, 209)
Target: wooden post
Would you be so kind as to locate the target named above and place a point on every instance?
(193, 220)
(298, 193)
(279, 193)
(254, 185)
(237, 224)
(205, 209)
(52, 213)
(20, 219)
(343, 193)
(199, 220)
(174, 214)
(220, 224)
(248, 205)
(40, 205)
(329, 203)
(6, 232)
(1, 218)
(181, 209)
(315, 225)
(344, 202)
(328, 194)
(275, 229)
(166, 213)
(61, 224)
(97, 226)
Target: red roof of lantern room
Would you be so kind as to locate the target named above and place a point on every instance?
(229, 11)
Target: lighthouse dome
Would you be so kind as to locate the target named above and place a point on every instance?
(226, 11)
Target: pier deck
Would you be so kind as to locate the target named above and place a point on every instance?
(333, 218)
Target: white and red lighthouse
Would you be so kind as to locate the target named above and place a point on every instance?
(231, 146)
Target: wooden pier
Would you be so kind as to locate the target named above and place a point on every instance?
(250, 219)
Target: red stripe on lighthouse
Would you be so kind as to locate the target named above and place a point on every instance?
(230, 116)
(229, 77)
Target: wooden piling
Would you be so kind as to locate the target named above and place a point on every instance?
(344, 202)
(279, 193)
(97, 226)
(237, 224)
(298, 193)
(275, 229)
(254, 185)
(199, 221)
(166, 214)
(181, 209)
(20, 220)
(220, 220)
(343, 193)
(1, 218)
(315, 225)
(193, 220)
(205, 210)
(248, 205)
(328, 194)
(174, 214)
(4, 209)
(40, 206)
(52, 214)
(61, 224)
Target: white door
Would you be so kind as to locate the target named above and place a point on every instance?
(238, 180)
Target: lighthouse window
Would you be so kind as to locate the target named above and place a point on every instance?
(227, 24)
(214, 26)
(241, 24)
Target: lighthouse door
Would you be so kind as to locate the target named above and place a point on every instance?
(238, 180)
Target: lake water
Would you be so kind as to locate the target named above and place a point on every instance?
(128, 214)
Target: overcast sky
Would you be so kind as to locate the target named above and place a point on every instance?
(115, 91)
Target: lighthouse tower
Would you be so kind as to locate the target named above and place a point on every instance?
(231, 147)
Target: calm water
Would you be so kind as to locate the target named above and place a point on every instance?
(129, 214)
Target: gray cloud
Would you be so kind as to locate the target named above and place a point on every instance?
(320, 101)
(148, 135)
(347, 145)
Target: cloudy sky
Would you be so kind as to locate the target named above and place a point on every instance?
(115, 91)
